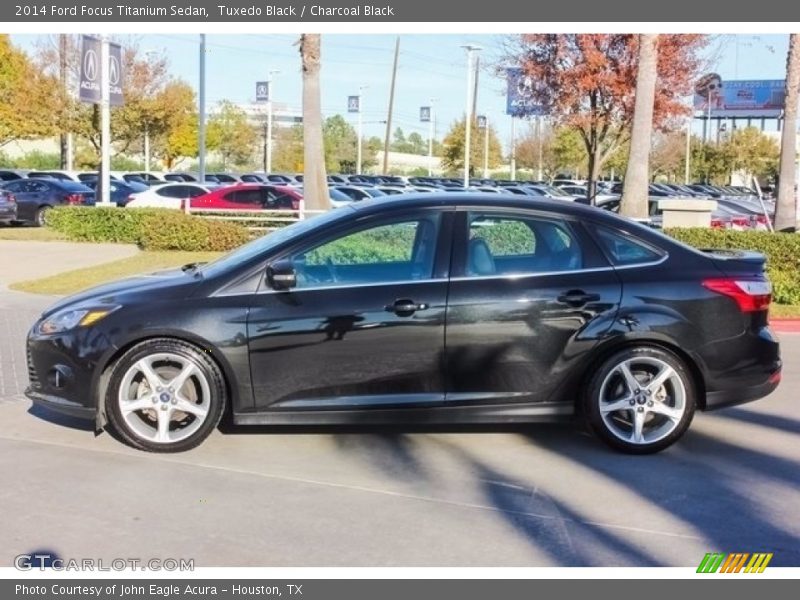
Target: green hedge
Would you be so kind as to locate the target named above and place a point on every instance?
(150, 228)
(781, 249)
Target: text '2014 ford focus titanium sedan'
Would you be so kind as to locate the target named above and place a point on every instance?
(430, 309)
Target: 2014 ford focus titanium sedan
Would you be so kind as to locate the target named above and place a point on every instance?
(432, 309)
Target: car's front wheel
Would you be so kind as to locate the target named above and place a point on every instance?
(641, 400)
(165, 395)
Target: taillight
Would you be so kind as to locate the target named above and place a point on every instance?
(74, 199)
(752, 295)
(742, 222)
(719, 224)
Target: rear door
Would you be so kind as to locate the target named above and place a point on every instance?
(530, 295)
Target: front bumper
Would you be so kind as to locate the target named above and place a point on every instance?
(62, 371)
(61, 405)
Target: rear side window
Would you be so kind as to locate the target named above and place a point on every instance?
(624, 250)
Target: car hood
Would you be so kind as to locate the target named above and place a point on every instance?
(156, 286)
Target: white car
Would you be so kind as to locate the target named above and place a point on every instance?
(168, 195)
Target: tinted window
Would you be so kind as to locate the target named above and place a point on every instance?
(391, 252)
(503, 245)
(250, 197)
(14, 186)
(173, 191)
(625, 250)
(37, 187)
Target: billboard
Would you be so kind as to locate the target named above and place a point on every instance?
(741, 98)
(519, 94)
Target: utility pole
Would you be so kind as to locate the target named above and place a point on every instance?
(686, 165)
(201, 125)
(513, 150)
(540, 169)
(360, 132)
(391, 107)
(486, 148)
(105, 125)
(271, 92)
(476, 74)
(470, 48)
(431, 133)
(62, 79)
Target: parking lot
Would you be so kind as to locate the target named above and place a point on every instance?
(513, 496)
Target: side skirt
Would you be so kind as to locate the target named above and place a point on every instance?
(496, 414)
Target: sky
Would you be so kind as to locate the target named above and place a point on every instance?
(430, 66)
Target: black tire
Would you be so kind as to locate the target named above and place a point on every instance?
(665, 430)
(200, 359)
(40, 217)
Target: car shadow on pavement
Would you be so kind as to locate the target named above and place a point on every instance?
(708, 483)
(757, 418)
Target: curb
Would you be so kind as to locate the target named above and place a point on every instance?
(785, 325)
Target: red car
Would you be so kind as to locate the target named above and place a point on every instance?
(250, 196)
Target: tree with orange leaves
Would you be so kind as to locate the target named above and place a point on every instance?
(588, 81)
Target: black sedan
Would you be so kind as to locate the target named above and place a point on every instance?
(36, 196)
(436, 308)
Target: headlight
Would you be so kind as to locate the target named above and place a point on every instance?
(69, 319)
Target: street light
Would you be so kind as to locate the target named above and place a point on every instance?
(270, 91)
(431, 134)
(361, 89)
(471, 49)
(149, 54)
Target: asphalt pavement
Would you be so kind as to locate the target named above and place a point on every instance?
(545, 495)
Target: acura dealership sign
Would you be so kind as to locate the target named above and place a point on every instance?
(91, 72)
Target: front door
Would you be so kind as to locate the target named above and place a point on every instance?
(364, 327)
(529, 296)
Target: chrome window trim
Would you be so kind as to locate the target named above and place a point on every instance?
(510, 277)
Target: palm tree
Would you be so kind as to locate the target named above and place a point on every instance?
(315, 184)
(634, 201)
(786, 206)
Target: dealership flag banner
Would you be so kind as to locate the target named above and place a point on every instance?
(91, 73)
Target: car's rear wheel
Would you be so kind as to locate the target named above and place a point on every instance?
(165, 395)
(40, 218)
(641, 400)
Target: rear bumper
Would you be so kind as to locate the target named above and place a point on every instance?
(732, 397)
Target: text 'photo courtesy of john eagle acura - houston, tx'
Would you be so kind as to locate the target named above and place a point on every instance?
(434, 309)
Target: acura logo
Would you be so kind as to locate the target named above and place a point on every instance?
(90, 65)
(525, 86)
(113, 69)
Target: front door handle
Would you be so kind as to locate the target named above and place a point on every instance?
(577, 298)
(405, 307)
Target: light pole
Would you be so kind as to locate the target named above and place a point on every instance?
(149, 54)
(270, 91)
(361, 89)
(201, 125)
(486, 147)
(431, 134)
(105, 125)
(471, 49)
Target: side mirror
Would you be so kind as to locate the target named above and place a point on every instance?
(281, 275)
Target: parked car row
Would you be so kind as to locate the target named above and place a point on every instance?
(34, 192)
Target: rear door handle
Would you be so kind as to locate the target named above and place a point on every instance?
(405, 307)
(577, 298)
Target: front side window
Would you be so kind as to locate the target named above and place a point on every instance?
(507, 245)
(390, 252)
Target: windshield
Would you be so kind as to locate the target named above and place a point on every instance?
(267, 242)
